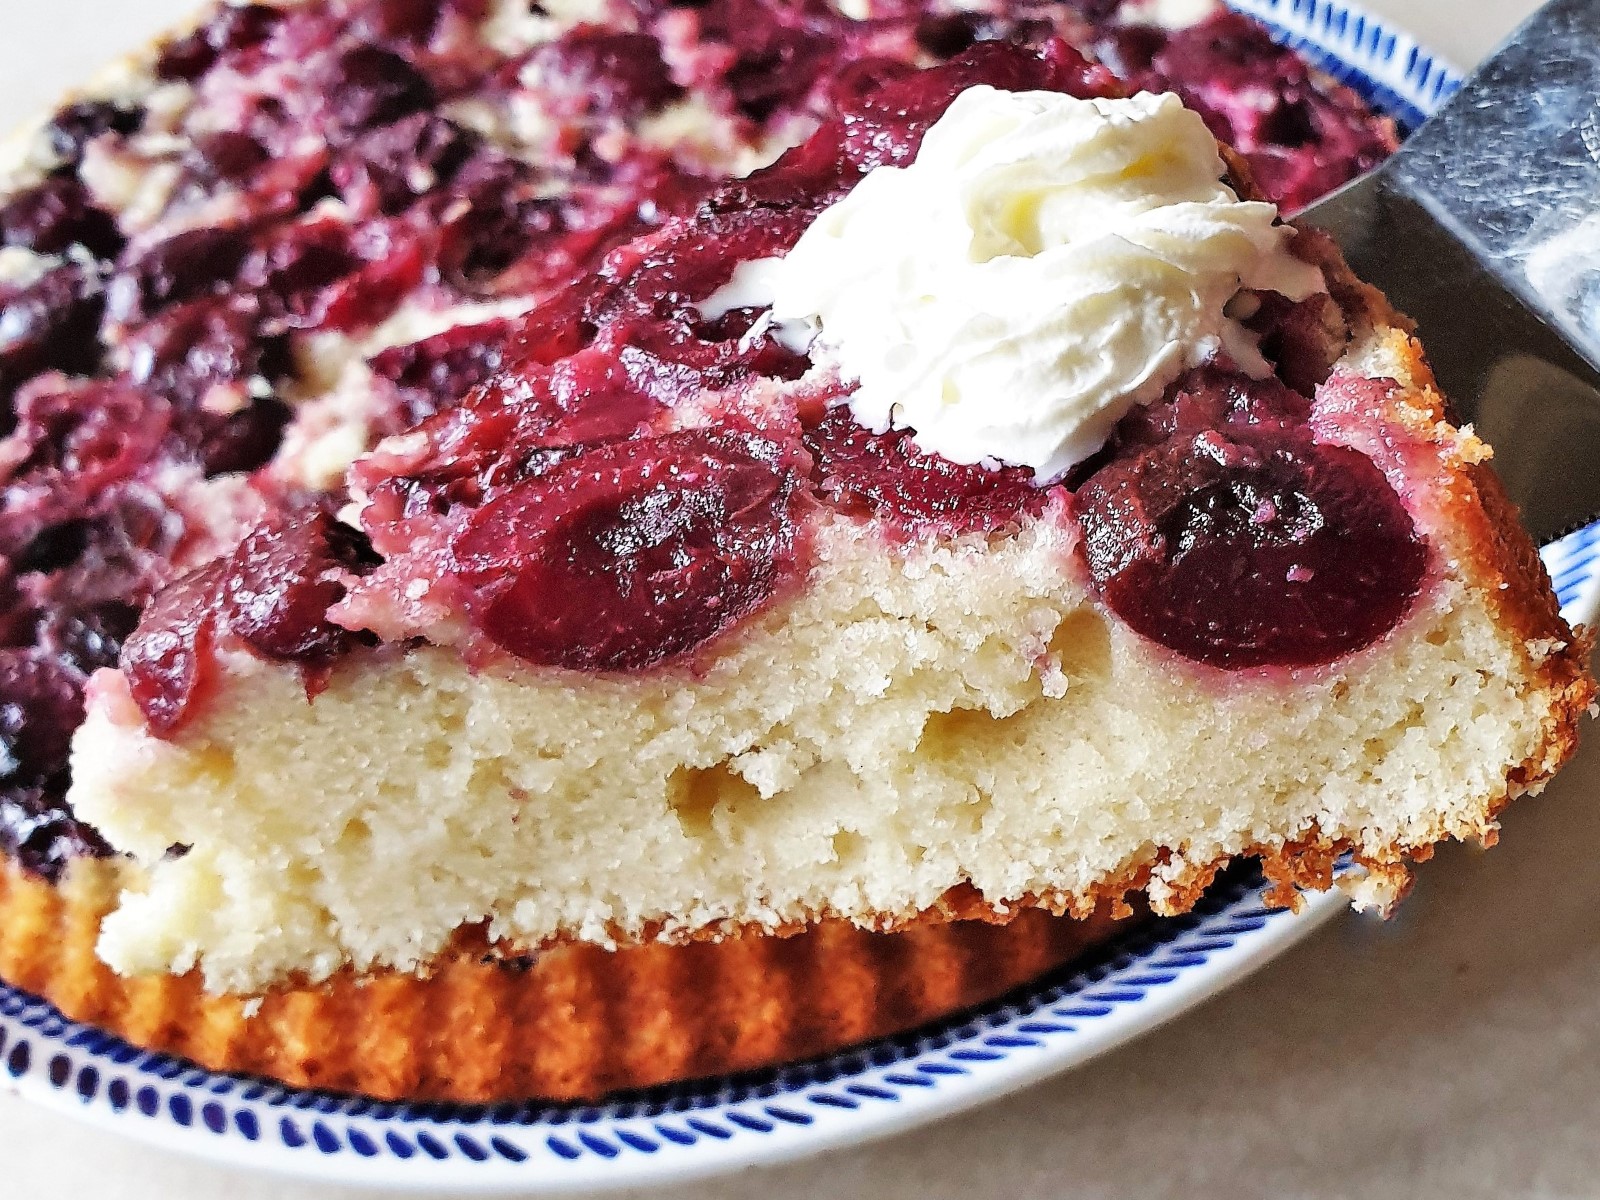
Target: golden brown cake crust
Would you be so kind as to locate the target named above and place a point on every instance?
(576, 1023)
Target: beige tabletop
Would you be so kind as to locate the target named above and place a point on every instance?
(1452, 1052)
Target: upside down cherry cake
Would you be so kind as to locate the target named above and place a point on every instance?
(494, 476)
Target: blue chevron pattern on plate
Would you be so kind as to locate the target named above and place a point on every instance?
(702, 1129)
(1384, 65)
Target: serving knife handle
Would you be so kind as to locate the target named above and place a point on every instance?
(1511, 166)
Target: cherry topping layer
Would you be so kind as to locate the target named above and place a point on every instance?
(1223, 532)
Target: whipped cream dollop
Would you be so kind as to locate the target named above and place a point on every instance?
(1044, 264)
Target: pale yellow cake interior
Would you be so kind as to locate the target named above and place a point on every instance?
(908, 724)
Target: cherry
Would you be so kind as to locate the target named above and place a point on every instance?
(167, 659)
(1247, 544)
(386, 169)
(242, 440)
(227, 155)
(272, 594)
(1209, 397)
(1300, 138)
(41, 703)
(520, 423)
(290, 267)
(601, 73)
(366, 86)
(281, 580)
(188, 349)
(439, 371)
(499, 226)
(74, 127)
(52, 324)
(409, 20)
(38, 831)
(57, 214)
(779, 52)
(193, 263)
(86, 637)
(74, 441)
(945, 35)
(887, 476)
(234, 29)
(885, 127)
(110, 548)
(633, 552)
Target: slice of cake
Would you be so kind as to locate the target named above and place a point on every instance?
(555, 544)
(982, 507)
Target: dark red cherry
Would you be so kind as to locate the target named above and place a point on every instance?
(280, 582)
(188, 349)
(290, 268)
(887, 476)
(167, 659)
(52, 324)
(886, 126)
(367, 86)
(386, 169)
(85, 637)
(56, 214)
(439, 371)
(74, 127)
(1251, 546)
(196, 262)
(272, 593)
(408, 20)
(227, 156)
(632, 553)
(235, 28)
(41, 703)
(598, 72)
(74, 440)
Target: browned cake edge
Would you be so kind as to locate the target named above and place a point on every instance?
(575, 1023)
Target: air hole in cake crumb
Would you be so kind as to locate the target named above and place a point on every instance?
(849, 847)
(439, 750)
(695, 793)
(953, 736)
(355, 837)
(1377, 750)
(1081, 645)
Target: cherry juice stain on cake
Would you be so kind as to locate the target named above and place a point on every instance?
(148, 353)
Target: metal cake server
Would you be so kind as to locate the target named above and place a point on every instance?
(1485, 228)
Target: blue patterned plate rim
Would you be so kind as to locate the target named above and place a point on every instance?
(1140, 980)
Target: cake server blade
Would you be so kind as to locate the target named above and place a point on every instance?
(1485, 228)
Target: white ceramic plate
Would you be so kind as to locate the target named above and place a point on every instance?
(1146, 978)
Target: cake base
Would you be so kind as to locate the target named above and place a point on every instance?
(576, 1023)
